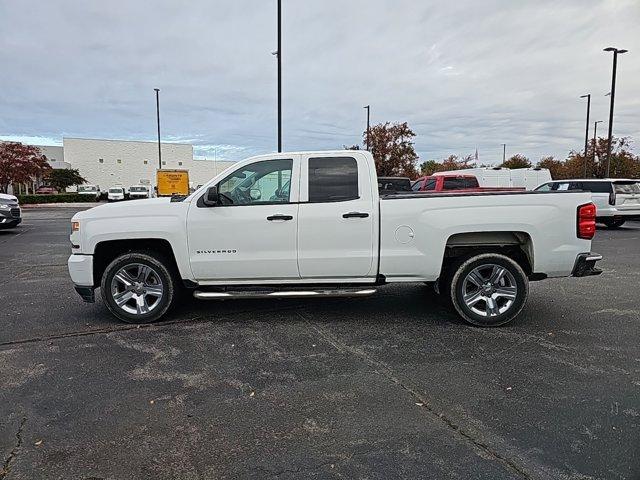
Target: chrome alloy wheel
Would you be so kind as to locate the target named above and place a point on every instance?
(137, 288)
(489, 290)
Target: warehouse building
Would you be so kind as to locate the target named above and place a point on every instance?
(123, 162)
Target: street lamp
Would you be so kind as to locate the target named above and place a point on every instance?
(615, 51)
(278, 54)
(368, 109)
(586, 133)
(158, 117)
(504, 152)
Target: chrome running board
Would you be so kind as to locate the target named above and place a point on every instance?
(230, 295)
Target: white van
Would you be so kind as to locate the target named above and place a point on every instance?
(139, 191)
(529, 178)
(87, 189)
(617, 200)
(115, 194)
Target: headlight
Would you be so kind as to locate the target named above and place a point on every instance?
(75, 226)
(4, 206)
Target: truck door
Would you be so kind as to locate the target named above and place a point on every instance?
(251, 234)
(336, 236)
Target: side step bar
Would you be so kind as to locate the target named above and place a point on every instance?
(229, 295)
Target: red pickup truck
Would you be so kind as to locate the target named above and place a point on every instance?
(448, 183)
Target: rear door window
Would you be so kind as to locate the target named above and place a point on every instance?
(333, 179)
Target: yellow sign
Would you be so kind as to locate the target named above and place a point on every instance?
(173, 182)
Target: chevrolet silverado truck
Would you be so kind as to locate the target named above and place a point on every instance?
(312, 224)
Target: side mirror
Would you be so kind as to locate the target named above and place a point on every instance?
(212, 198)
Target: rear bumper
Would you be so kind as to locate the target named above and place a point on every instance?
(609, 213)
(586, 265)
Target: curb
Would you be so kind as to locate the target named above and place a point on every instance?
(61, 205)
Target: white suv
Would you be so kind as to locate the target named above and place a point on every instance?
(617, 200)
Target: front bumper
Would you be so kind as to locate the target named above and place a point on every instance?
(10, 218)
(81, 272)
(586, 265)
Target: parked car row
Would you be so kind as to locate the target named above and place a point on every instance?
(617, 200)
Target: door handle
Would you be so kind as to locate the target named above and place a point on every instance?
(355, 215)
(277, 216)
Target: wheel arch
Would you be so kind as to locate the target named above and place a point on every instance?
(106, 251)
(513, 244)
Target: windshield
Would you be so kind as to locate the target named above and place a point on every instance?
(627, 187)
(138, 189)
(87, 188)
(115, 190)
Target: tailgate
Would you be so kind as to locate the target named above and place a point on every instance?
(627, 195)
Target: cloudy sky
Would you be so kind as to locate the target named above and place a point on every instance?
(465, 74)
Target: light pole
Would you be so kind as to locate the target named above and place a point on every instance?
(615, 51)
(158, 118)
(504, 152)
(586, 132)
(279, 55)
(368, 109)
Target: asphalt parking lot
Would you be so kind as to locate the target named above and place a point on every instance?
(393, 386)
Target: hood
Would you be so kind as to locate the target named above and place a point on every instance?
(147, 207)
(4, 196)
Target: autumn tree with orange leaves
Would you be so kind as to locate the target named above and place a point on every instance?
(392, 149)
(20, 163)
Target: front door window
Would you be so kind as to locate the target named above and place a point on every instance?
(258, 183)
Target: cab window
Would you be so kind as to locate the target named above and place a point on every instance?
(258, 183)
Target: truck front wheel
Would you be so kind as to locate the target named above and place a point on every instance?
(138, 287)
(489, 290)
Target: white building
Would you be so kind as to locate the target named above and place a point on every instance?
(123, 162)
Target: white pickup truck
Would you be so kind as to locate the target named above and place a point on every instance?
(312, 224)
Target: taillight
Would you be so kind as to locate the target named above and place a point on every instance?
(586, 221)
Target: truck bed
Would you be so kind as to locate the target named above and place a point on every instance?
(416, 228)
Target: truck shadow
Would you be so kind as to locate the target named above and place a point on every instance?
(412, 303)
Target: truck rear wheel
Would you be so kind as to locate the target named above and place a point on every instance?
(489, 290)
(138, 287)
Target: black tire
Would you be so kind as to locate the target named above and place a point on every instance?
(614, 223)
(492, 298)
(161, 280)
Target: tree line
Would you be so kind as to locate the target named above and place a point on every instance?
(392, 147)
